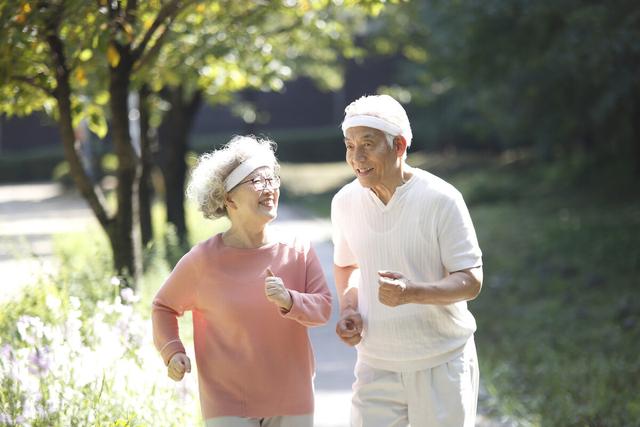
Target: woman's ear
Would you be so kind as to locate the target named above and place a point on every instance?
(229, 203)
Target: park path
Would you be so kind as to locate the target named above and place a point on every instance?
(30, 214)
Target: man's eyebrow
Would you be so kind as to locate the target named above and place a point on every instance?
(368, 135)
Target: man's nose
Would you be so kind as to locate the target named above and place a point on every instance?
(360, 154)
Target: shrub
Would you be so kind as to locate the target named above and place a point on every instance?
(67, 368)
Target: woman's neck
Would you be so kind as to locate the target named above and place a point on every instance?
(245, 238)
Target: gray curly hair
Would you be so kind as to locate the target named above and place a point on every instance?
(206, 187)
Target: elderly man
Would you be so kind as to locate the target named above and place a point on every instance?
(406, 261)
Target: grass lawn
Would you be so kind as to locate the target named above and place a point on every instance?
(559, 316)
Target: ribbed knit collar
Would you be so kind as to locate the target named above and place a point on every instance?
(397, 196)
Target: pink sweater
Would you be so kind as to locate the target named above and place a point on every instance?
(253, 360)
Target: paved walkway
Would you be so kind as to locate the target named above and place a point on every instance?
(30, 214)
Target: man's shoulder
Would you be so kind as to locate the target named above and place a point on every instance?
(433, 186)
(347, 192)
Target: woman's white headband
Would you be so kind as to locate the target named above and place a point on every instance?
(244, 169)
(371, 122)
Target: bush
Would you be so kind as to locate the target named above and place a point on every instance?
(73, 369)
(33, 165)
(76, 349)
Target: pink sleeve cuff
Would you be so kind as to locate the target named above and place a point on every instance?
(295, 311)
(171, 348)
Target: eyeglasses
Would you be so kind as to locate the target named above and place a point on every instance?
(260, 183)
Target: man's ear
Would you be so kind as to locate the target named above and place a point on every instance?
(400, 145)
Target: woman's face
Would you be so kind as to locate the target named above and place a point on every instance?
(256, 197)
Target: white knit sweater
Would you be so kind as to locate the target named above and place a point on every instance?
(424, 232)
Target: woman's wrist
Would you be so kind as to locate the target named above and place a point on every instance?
(287, 306)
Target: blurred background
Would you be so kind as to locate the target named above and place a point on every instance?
(531, 109)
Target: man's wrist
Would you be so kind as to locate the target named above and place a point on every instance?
(347, 310)
(417, 292)
(409, 293)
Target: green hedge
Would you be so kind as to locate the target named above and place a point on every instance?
(33, 165)
(309, 145)
(294, 145)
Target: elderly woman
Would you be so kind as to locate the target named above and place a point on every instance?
(252, 294)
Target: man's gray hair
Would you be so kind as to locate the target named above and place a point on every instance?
(382, 107)
(206, 187)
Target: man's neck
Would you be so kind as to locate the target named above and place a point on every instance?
(386, 190)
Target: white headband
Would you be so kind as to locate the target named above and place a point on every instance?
(371, 122)
(244, 169)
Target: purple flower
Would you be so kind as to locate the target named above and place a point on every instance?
(39, 362)
(6, 352)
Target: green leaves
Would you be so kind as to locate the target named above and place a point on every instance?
(558, 76)
(221, 47)
(85, 55)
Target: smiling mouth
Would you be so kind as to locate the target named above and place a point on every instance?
(268, 203)
(363, 171)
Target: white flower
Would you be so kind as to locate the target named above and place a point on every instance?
(31, 329)
(53, 302)
(75, 303)
(129, 296)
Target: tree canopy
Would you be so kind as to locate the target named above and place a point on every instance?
(556, 75)
(80, 60)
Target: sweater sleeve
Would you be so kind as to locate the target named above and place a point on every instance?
(177, 295)
(312, 307)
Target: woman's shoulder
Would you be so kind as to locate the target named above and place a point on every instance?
(202, 249)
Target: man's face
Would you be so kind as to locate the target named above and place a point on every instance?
(368, 153)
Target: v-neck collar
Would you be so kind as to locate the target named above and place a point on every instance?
(397, 195)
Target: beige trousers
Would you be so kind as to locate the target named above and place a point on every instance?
(443, 396)
(281, 421)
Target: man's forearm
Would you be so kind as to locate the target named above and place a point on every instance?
(462, 285)
(346, 287)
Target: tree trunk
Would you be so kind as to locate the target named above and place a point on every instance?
(91, 193)
(146, 187)
(125, 240)
(176, 128)
(635, 141)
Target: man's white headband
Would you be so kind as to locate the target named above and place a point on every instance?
(371, 122)
(244, 169)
